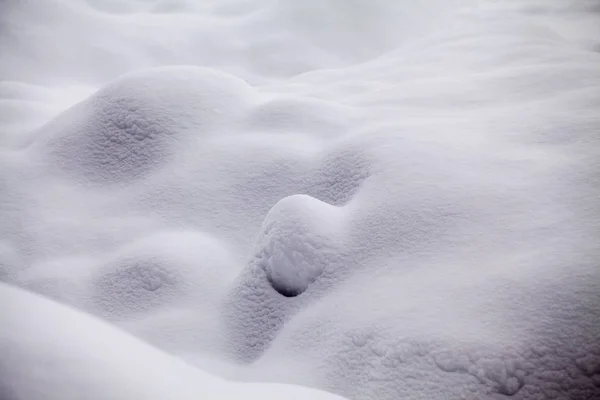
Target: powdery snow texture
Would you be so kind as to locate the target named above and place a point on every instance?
(379, 199)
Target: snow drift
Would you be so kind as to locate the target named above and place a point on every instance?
(382, 200)
(64, 354)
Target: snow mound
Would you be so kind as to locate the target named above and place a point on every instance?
(298, 250)
(297, 242)
(161, 270)
(136, 124)
(90, 359)
(384, 199)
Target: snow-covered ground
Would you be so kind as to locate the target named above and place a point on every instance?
(379, 199)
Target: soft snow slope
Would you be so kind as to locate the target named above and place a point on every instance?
(382, 199)
(63, 354)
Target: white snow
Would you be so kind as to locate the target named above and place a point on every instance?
(379, 199)
(291, 247)
(65, 354)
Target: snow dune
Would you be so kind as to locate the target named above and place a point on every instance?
(377, 199)
(65, 354)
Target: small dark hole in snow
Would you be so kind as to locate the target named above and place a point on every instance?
(284, 290)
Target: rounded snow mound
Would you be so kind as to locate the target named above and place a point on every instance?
(136, 124)
(298, 250)
(296, 241)
(168, 268)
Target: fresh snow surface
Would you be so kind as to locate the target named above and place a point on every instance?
(64, 354)
(381, 199)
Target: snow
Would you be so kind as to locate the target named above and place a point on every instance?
(65, 354)
(377, 199)
(292, 251)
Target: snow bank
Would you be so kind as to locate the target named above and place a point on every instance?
(380, 199)
(52, 352)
